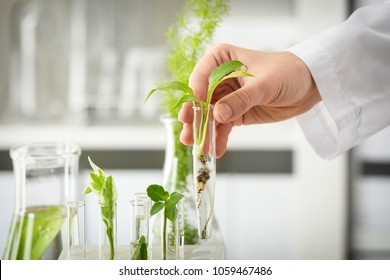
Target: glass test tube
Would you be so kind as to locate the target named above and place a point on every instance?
(139, 223)
(76, 230)
(108, 231)
(173, 242)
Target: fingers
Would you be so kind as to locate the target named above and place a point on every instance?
(198, 81)
(234, 105)
(214, 57)
(186, 135)
(186, 116)
(222, 136)
(186, 113)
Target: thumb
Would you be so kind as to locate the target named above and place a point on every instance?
(234, 105)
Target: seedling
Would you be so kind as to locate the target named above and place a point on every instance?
(163, 200)
(227, 70)
(104, 187)
(141, 253)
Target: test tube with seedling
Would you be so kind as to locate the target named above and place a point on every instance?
(139, 225)
(204, 135)
(204, 167)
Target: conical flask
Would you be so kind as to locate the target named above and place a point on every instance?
(46, 178)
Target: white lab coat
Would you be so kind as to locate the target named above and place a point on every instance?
(350, 64)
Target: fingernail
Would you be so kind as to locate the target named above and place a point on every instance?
(225, 112)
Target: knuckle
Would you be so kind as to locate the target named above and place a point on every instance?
(243, 100)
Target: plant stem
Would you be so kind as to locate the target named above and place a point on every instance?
(111, 241)
(109, 212)
(165, 235)
(205, 125)
(201, 133)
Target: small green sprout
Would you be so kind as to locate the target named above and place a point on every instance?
(104, 187)
(163, 200)
(141, 253)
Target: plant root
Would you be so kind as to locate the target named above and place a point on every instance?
(202, 178)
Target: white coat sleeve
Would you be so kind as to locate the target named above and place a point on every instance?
(350, 64)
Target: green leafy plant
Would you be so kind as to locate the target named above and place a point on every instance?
(223, 72)
(189, 36)
(141, 253)
(37, 228)
(167, 202)
(104, 187)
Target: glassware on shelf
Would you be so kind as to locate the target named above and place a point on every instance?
(85, 61)
(76, 230)
(40, 52)
(204, 163)
(139, 226)
(46, 177)
(108, 231)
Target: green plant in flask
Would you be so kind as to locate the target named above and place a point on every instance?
(32, 233)
(46, 176)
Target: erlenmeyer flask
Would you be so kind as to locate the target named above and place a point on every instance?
(46, 177)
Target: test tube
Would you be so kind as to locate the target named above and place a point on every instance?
(139, 223)
(152, 220)
(76, 234)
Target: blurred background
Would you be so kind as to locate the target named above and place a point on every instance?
(79, 71)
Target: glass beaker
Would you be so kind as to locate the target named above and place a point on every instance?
(46, 177)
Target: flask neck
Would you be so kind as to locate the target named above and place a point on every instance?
(46, 174)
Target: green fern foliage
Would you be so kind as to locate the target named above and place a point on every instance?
(189, 37)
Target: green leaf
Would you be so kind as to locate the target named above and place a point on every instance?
(174, 199)
(108, 194)
(171, 214)
(170, 205)
(87, 190)
(95, 168)
(97, 181)
(157, 207)
(157, 193)
(171, 86)
(186, 98)
(141, 253)
(222, 70)
(144, 251)
(234, 74)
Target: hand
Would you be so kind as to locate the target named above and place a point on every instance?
(282, 87)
